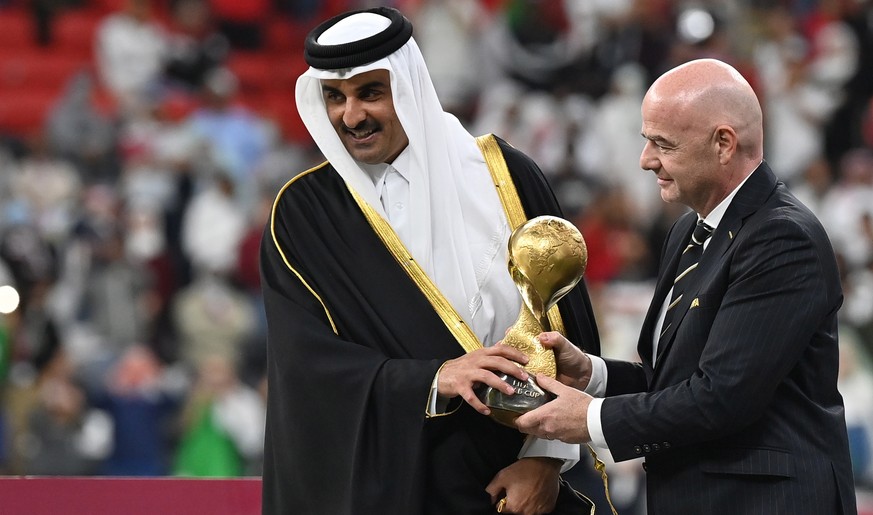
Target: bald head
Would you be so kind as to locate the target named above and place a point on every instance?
(706, 93)
(705, 135)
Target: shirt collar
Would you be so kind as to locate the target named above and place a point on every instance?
(378, 172)
(715, 216)
(402, 162)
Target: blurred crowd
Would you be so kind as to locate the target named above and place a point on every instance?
(130, 234)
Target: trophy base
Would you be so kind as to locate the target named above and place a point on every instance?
(506, 408)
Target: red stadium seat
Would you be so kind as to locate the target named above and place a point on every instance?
(38, 69)
(16, 30)
(24, 112)
(74, 30)
(285, 37)
(280, 106)
(253, 69)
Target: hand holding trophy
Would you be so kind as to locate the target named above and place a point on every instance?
(547, 257)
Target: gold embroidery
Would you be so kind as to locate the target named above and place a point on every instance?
(281, 253)
(456, 325)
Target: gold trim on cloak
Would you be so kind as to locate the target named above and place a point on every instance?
(281, 253)
(515, 215)
(510, 200)
(455, 324)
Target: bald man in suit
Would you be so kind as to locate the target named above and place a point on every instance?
(734, 403)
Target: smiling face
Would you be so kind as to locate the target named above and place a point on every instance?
(704, 133)
(361, 110)
(682, 152)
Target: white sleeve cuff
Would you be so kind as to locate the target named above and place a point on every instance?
(541, 448)
(597, 385)
(595, 428)
(436, 405)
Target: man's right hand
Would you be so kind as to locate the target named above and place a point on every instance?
(574, 366)
(461, 375)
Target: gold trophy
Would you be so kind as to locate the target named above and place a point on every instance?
(547, 257)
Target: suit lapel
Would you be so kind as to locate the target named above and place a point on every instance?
(748, 199)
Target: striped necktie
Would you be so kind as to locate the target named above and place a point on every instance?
(687, 264)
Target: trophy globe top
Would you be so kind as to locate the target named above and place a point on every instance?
(547, 258)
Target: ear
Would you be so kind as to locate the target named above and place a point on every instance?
(726, 142)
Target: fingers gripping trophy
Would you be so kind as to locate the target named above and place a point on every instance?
(547, 257)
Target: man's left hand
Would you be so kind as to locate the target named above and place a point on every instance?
(565, 418)
(530, 486)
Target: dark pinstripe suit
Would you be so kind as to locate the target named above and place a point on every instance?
(741, 415)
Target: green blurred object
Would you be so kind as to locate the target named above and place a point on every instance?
(207, 451)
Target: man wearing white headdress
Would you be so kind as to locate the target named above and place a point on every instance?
(386, 288)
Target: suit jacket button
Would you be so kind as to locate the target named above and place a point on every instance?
(656, 447)
(647, 448)
(638, 449)
(666, 445)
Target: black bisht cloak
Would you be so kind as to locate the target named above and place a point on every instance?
(353, 347)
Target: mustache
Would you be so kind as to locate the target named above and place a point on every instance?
(366, 125)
